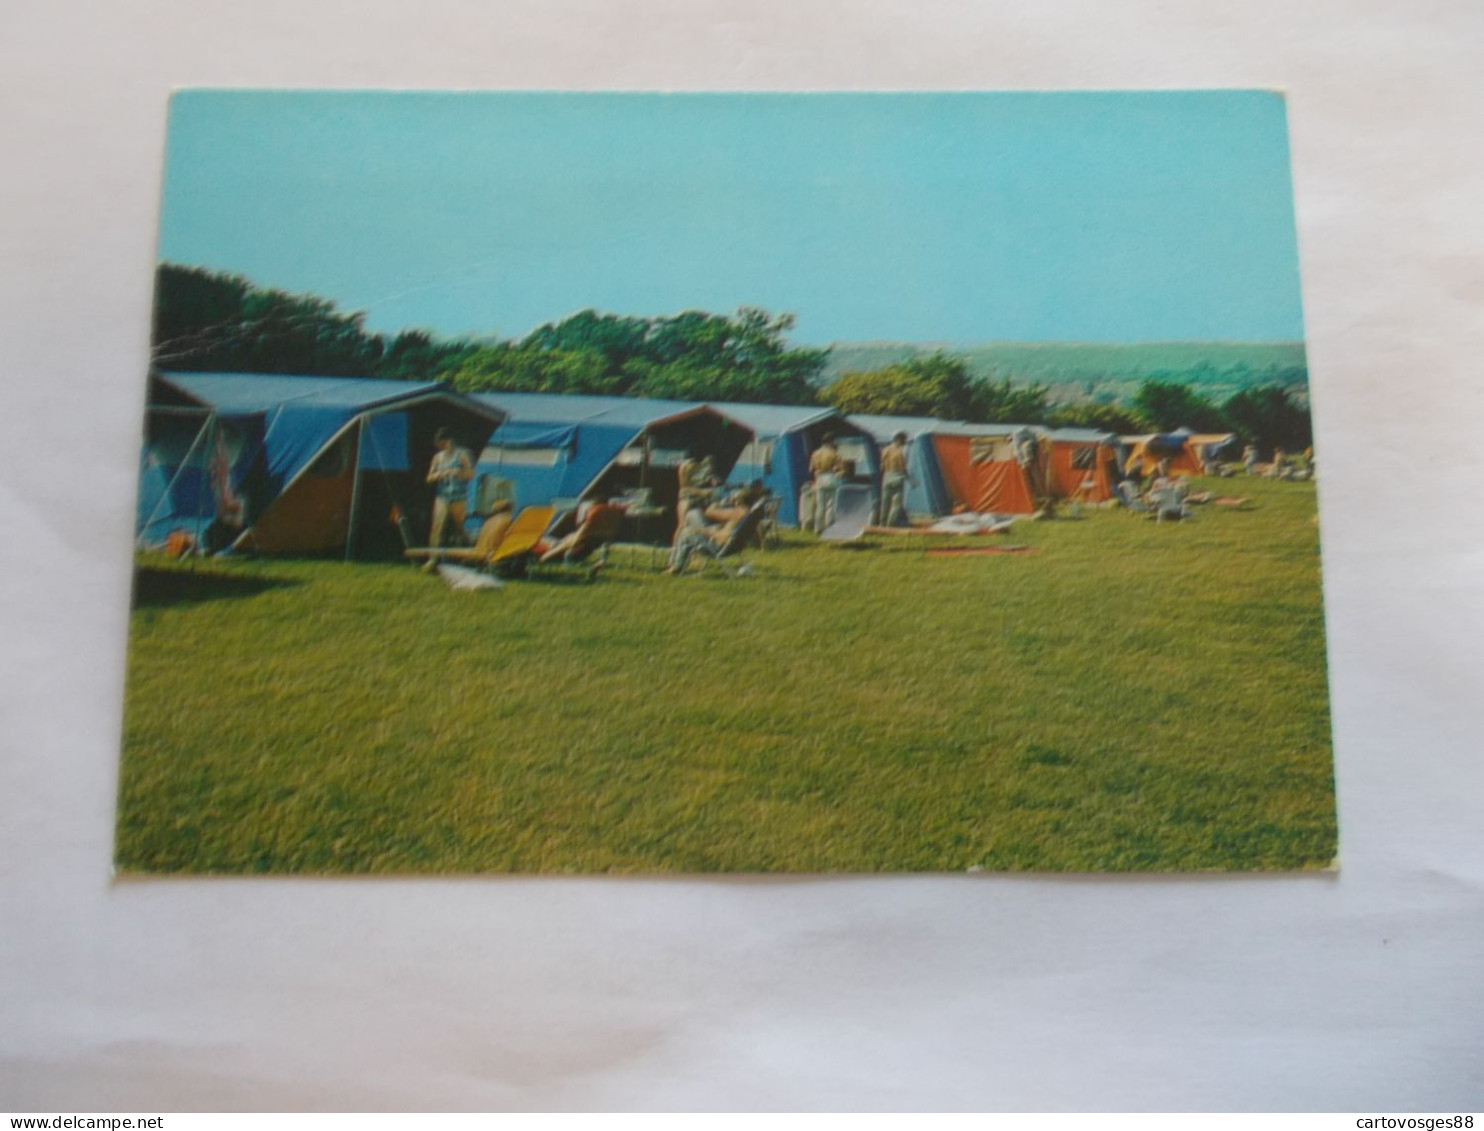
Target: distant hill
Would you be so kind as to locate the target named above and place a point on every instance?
(1076, 371)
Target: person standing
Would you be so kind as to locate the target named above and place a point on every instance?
(825, 468)
(449, 473)
(1249, 459)
(894, 481)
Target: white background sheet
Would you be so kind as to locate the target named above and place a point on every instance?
(1363, 990)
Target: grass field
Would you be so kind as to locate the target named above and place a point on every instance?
(1131, 696)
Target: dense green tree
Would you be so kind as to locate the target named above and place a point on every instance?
(619, 339)
(940, 386)
(1001, 402)
(190, 300)
(511, 368)
(417, 355)
(1166, 405)
(1269, 417)
(1101, 416)
(207, 320)
(928, 386)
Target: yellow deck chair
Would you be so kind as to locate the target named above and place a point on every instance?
(523, 534)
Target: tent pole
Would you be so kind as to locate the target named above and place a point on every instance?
(206, 453)
(355, 490)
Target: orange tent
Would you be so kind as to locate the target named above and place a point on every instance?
(1083, 464)
(1146, 452)
(993, 468)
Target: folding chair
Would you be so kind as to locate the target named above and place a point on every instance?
(1168, 503)
(599, 529)
(1128, 495)
(853, 506)
(768, 535)
(491, 537)
(737, 541)
(523, 536)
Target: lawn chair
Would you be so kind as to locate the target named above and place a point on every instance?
(600, 527)
(1168, 503)
(737, 541)
(491, 537)
(1128, 495)
(522, 537)
(768, 535)
(853, 507)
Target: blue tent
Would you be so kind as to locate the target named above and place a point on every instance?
(927, 492)
(784, 437)
(555, 448)
(292, 465)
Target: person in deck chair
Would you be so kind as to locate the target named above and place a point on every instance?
(597, 523)
(694, 533)
(696, 481)
(826, 468)
(449, 473)
(491, 534)
(894, 480)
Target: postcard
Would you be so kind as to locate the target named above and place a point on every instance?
(726, 483)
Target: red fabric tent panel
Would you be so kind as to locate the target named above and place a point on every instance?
(989, 485)
(957, 466)
(1001, 487)
(1067, 480)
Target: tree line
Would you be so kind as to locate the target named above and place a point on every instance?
(213, 321)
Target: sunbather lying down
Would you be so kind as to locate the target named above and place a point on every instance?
(491, 534)
(600, 524)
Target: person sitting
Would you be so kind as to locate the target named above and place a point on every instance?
(696, 480)
(597, 523)
(695, 533)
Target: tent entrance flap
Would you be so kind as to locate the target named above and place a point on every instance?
(652, 458)
(312, 514)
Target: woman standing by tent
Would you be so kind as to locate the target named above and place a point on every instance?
(450, 473)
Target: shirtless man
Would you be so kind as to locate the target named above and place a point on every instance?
(894, 480)
(826, 469)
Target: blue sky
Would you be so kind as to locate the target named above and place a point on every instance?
(1117, 217)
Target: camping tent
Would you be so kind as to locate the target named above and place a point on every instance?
(557, 448)
(994, 468)
(1186, 451)
(1084, 464)
(1212, 447)
(927, 492)
(294, 465)
(784, 437)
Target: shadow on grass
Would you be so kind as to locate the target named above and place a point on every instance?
(159, 588)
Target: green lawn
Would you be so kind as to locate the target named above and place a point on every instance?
(1132, 696)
